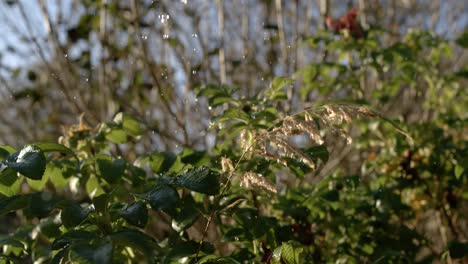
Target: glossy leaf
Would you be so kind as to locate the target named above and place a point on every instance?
(30, 162)
(200, 179)
(135, 214)
(164, 198)
(92, 251)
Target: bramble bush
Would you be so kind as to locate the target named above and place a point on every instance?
(272, 189)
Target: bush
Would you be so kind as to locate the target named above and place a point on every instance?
(272, 189)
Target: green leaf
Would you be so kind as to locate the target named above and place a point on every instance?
(135, 239)
(236, 114)
(276, 89)
(71, 237)
(290, 253)
(55, 175)
(92, 251)
(462, 40)
(8, 177)
(52, 147)
(162, 162)
(6, 151)
(129, 124)
(164, 198)
(183, 249)
(195, 158)
(458, 171)
(93, 187)
(320, 152)
(14, 203)
(14, 188)
(38, 185)
(41, 204)
(135, 214)
(215, 259)
(200, 179)
(72, 214)
(216, 95)
(30, 162)
(111, 170)
(117, 136)
(12, 242)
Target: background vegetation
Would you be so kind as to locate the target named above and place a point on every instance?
(234, 131)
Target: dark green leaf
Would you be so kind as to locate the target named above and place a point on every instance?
(161, 162)
(111, 170)
(51, 147)
(183, 249)
(14, 203)
(92, 251)
(215, 259)
(320, 152)
(41, 204)
(30, 162)
(462, 40)
(135, 239)
(135, 214)
(72, 214)
(12, 242)
(6, 151)
(8, 176)
(71, 237)
(200, 179)
(164, 198)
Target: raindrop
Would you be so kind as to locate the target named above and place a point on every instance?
(163, 18)
(236, 238)
(165, 36)
(194, 35)
(194, 72)
(145, 37)
(209, 108)
(66, 55)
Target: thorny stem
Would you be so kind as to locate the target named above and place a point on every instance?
(268, 130)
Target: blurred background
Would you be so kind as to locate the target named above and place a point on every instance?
(59, 59)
